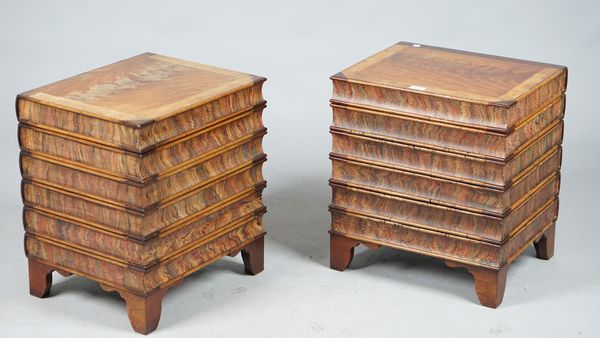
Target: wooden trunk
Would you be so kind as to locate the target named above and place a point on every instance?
(139, 173)
(447, 153)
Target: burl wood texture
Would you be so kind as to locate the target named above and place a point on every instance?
(450, 154)
(433, 83)
(139, 173)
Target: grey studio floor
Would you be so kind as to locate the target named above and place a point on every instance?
(297, 45)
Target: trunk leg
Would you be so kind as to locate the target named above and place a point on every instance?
(544, 247)
(253, 256)
(40, 279)
(489, 283)
(341, 251)
(143, 311)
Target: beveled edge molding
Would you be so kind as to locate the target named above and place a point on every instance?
(379, 166)
(133, 181)
(178, 138)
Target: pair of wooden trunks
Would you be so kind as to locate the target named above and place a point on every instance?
(449, 154)
(139, 173)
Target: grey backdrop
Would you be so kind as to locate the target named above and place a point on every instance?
(297, 45)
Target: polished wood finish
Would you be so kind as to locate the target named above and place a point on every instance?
(143, 311)
(141, 102)
(253, 256)
(489, 283)
(139, 173)
(450, 154)
(493, 229)
(141, 197)
(426, 188)
(544, 246)
(456, 87)
(431, 242)
(142, 225)
(463, 140)
(456, 167)
(342, 250)
(143, 308)
(159, 162)
(144, 254)
(40, 278)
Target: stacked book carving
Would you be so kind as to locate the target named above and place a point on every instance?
(141, 172)
(447, 153)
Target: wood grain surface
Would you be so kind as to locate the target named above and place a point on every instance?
(139, 173)
(160, 161)
(142, 197)
(425, 215)
(138, 139)
(443, 164)
(137, 253)
(444, 136)
(146, 87)
(136, 224)
(451, 73)
(441, 244)
(429, 189)
(450, 86)
(140, 281)
(447, 153)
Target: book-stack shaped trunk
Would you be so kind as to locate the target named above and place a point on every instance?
(139, 173)
(450, 154)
